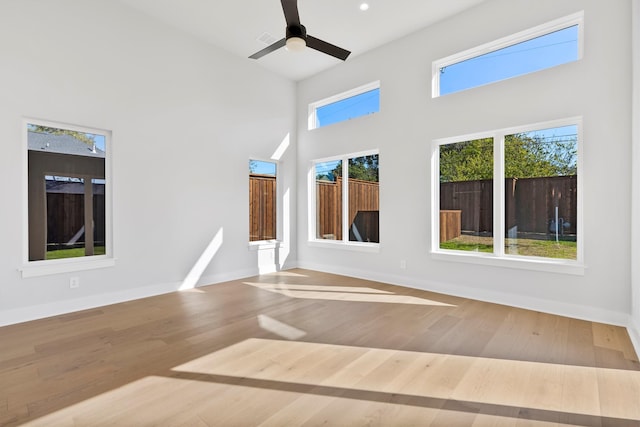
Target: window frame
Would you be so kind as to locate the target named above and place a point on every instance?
(270, 243)
(504, 42)
(343, 242)
(312, 120)
(66, 265)
(498, 257)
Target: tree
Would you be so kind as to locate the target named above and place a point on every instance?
(525, 157)
(87, 138)
(467, 161)
(364, 168)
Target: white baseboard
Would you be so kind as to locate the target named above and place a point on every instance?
(634, 334)
(34, 312)
(41, 311)
(592, 314)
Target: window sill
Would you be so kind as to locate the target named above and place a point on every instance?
(45, 268)
(522, 263)
(349, 246)
(265, 244)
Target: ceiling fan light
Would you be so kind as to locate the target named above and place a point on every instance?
(296, 44)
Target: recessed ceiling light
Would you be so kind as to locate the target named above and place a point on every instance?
(364, 6)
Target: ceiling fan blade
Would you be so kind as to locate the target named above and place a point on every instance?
(327, 48)
(275, 46)
(290, 8)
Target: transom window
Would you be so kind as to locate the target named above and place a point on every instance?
(555, 43)
(511, 194)
(361, 101)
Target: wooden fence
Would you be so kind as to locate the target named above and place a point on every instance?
(364, 207)
(449, 225)
(530, 204)
(65, 217)
(262, 207)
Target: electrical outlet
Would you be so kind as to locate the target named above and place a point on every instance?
(74, 282)
(403, 264)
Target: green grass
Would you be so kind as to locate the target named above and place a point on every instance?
(523, 247)
(466, 246)
(73, 253)
(542, 248)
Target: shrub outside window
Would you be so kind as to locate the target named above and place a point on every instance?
(511, 194)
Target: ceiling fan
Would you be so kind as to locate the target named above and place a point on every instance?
(296, 37)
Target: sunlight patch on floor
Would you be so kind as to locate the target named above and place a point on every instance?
(343, 293)
(484, 382)
(279, 328)
(274, 383)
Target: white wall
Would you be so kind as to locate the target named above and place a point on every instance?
(596, 88)
(635, 114)
(186, 118)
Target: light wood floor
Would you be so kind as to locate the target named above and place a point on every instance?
(306, 348)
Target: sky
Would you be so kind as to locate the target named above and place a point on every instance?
(262, 167)
(533, 55)
(355, 106)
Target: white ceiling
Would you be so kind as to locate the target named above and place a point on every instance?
(236, 25)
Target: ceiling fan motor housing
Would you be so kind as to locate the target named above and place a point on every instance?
(296, 31)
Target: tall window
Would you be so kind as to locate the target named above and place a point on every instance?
(67, 182)
(347, 199)
(466, 195)
(262, 200)
(555, 43)
(511, 193)
(541, 192)
(361, 101)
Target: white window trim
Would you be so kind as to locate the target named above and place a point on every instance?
(499, 258)
(345, 243)
(312, 120)
(278, 241)
(523, 36)
(66, 265)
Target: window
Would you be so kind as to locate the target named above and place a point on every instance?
(358, 102)
(347, 210)
(512, 194)
(466, 186)
(67, 188)
(262, 200)
(546, 46)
